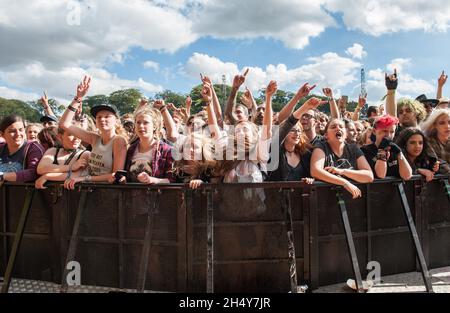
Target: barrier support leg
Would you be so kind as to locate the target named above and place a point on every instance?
(142, 276)
(415, 238)
(287, 210)
(73, 239)
(209, 242)
(18, 239)
(350, 243)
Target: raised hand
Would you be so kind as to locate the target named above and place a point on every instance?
(205, 79)
(172, 107)
(361, 102)
(246, 98)
(238, 81)
(83, 87)
(188, 103)
(391, 80)
(442, 79)
(304, 90)
(313, 103)
(44, 101)
(271, 89)
(158, 104)
(207, 93)
(328, 92)
(143, 102)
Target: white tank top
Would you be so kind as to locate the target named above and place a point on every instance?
(101, 158)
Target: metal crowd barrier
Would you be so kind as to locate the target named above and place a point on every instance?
(266, 237)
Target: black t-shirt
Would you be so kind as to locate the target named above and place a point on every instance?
(348, 159)
(317, 139)
(371, 151)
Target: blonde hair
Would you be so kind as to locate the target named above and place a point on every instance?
(414, 105)
(429, 125)
(34, 125)
(157, 120)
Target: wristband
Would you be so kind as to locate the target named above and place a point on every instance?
(71, 108)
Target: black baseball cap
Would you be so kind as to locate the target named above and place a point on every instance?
(104, 107)
(48, 118)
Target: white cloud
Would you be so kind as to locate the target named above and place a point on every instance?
(151, 65)
(61, 83)
(293, 22)
(329, 69)
(387, 16)
(356, 51)
(107, 30)
(10, 93)
(408, 85)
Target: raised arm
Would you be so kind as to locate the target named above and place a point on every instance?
(287, 110)
(215, 99)
(441, 82)
(67, 118)
(249, 101)
(334, 110)
(361, 104)
(391, 85)
(44, 102)
(212, 120)
(231, 102)
(172, 132)
(267, 121)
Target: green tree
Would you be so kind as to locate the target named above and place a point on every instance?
(57, 108)
(91, 101)
(23, 109)
(125, 100)
(169, 96)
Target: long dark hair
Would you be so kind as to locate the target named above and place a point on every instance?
(9, 120)
(402, 141)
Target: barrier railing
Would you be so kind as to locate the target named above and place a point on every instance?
(264, 237)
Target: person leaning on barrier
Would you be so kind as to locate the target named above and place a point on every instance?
(19, 158)
(247, 151)
(149, 159)
(334, 159)
(60, 162)
(437, 129)
(420, 156)
(195, 163)
(294, 149)
(109, 146)
(384, 156)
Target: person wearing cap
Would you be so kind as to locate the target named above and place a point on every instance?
(109, 145)
(49, 121)
(428, 104)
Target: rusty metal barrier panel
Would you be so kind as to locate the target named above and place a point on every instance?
(222, 238)
(131, 237)
(436, 223)
(37, 258)
(249, 240)
(379, 229)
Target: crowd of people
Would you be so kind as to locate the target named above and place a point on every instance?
(162, 144)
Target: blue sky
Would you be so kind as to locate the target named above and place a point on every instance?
(324, 42)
